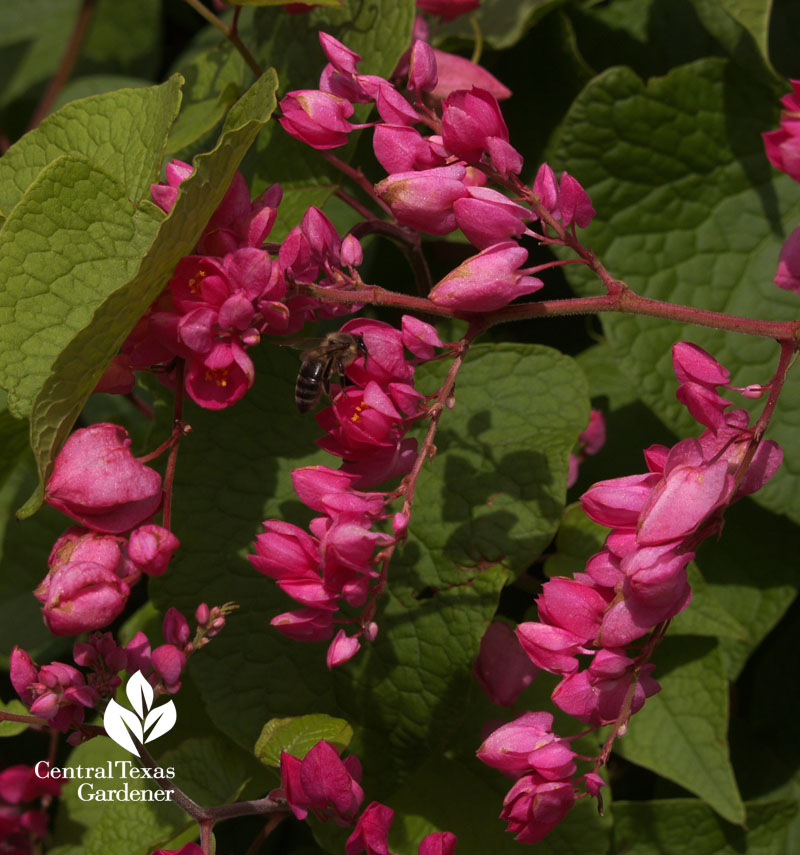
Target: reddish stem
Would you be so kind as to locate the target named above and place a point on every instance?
(67, 64)
(231, 33)
(624, 301)
(359, 178)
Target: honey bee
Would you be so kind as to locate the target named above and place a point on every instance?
(333, 353)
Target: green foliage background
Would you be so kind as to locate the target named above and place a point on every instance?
(657, 107)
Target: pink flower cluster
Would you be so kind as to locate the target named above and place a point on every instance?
(100, 484)
(783, 150)
(22, 826)
(636, 583)
(60, 693)
(222, 300)
(365, 426)
(543, 764)
(329, 788)
(436, 182)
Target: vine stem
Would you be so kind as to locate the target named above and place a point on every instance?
(357, 176)
(231, 33)
(623, 301)
(67, 64)
(426, 452)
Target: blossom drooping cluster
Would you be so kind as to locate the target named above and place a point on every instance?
(365, 426)
(98, 482)
(328, 787)
(223, 299)
(23, 826)
(635, 584)
(436, 183)
(60, 693)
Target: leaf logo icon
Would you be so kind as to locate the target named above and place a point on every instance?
(122, 724)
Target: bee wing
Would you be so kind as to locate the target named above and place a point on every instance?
(298, 343)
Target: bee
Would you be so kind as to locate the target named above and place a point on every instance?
(333, 353)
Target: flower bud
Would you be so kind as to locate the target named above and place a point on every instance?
(486, 281)
(81, 596)
(97, 481)
(150, 547)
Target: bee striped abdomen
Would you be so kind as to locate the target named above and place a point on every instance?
(310, 380)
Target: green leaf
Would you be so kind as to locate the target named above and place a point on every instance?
(13, 442)
(753, 576)
(79, 365)
(214, 79)
(447, 795)
(689, 211)
(497, 493)
(193, 759)
(13, 728)
(96, 84)
(678, 826)
(121, 827)
(681, 733)
(501, 23)
(72, 238)
(706, 615)
(578, 538)
(122, 132)
(753, 15)
(297, 736)
(122, 39)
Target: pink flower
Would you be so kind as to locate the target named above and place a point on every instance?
(529, 744)
(322, 782)
(571, 605)
(788, 273)
(457, 72)
(150, 548)
(168, 662)
(305, 624)
(56, 692)
(342, 649)
(283, 547)
(164, 195)
(438, 843)
(473, 124)
(487, 281)
(402, 149)
(567, 201)
(550, 647)
(783, 146)
(598, 694)
(186, 849)
(371, 834)
(487, 217)
(221, 377)
(98, 482)
(316, 118)
(617, 502)
(331, 784)
(422, 75)
(502, 668)
(424, 199)
(20, 783)
(534, 806)
(81, 596)
(420, 338)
